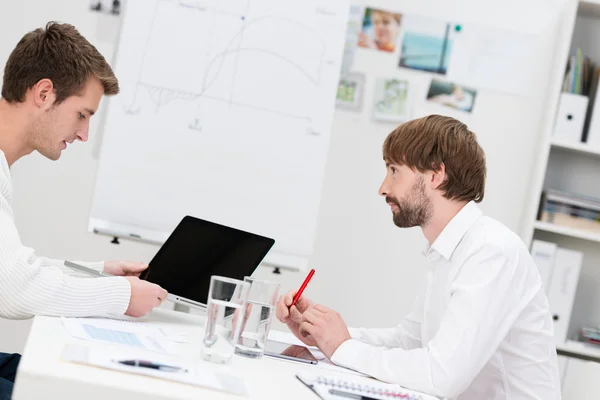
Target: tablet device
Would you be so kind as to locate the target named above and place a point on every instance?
(290, 352)
(198, 249)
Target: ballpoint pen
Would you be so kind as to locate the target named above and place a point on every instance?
(299, 293)
(151, 365)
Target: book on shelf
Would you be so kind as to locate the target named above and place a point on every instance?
(579, 74)
(570, 210)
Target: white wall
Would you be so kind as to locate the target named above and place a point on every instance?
(366, 268)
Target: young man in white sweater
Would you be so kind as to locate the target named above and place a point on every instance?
(53, 82)
(481, 328)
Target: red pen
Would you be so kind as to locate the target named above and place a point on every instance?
(308, 278)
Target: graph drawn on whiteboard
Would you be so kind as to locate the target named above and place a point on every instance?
(230, 42)
(225, 114)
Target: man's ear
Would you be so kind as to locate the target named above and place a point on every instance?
(44, 94)
(438, 175)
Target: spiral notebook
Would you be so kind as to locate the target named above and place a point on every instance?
(346, 388)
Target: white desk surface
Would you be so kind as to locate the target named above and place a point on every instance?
(42, 374)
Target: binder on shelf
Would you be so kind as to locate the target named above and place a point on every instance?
(570, 118)
(592, 129)
(563, 286)
(543, 254)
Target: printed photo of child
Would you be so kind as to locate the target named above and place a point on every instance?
(380, 30)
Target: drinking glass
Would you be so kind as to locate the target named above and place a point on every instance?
(224, 316)
(258, 314)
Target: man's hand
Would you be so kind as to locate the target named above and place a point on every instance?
(144, 297)
(292, 316)
(326, 327)
(124, 268)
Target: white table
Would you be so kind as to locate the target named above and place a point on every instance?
(42, 374)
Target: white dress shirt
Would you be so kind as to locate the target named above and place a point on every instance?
(482, 328)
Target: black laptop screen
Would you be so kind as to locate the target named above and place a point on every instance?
(198, 249)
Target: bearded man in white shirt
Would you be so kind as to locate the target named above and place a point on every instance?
(53, 82)
(482, 328)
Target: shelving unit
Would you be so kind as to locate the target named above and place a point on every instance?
(575, 168)
(567, 231)
(576, 147)
(573, 348)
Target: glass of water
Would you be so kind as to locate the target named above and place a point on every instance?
(224, 317)
(259, 308)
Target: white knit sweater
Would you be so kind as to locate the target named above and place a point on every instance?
(32, 285)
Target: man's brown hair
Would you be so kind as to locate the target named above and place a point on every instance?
(59, 53)
(426, 143)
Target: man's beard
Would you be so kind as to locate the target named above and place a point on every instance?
(40, 136)
(414, 209)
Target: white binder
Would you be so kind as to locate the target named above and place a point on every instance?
(570, 118)
(543, 254)
(561, 295)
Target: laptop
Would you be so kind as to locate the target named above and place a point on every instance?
(198, 249)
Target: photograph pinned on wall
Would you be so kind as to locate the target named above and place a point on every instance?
(351, 91)
(380, 30)
(426, 43)
(392, 100)
(112, 7)
(451, 95)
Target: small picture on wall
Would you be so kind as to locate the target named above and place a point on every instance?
(451, 95)
(350, 92)
(380, 30)
(112, 7)
(426, 44)
(392, 100)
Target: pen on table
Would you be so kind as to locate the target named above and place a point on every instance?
(350, 395)
(299, 293)
(151, 365)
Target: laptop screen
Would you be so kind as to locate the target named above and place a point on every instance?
(198, 249)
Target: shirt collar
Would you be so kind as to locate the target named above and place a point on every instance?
(452, 234)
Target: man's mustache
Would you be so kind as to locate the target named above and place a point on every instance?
(392, 200)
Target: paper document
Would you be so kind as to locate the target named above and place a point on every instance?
(120, 332)
(492, 58)
(191, 373)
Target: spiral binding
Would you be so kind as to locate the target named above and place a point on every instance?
(366, 389)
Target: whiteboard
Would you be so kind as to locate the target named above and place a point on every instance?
(225, 114)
